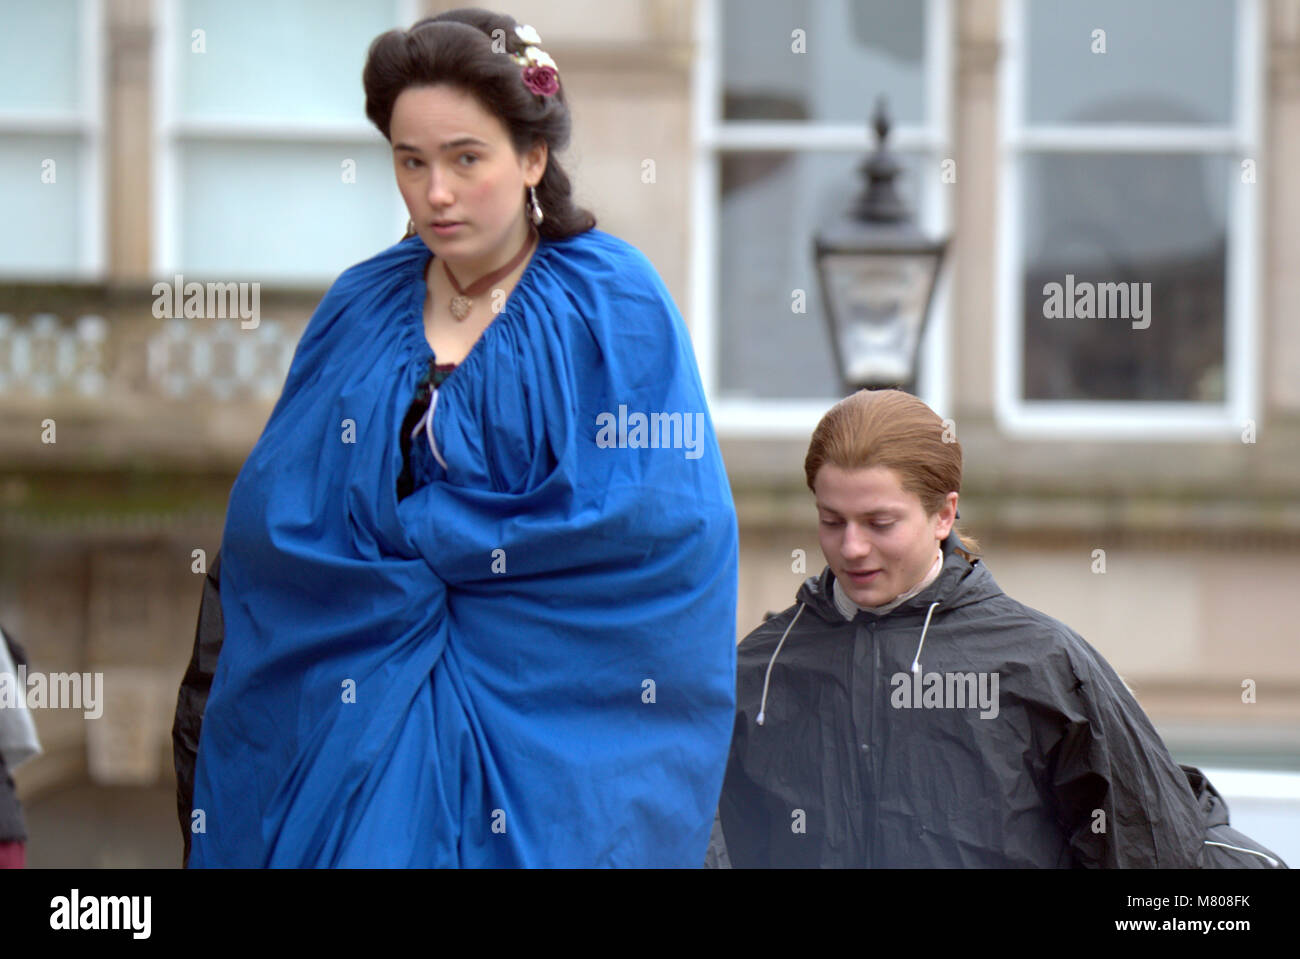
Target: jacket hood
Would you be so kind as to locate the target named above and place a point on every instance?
(1212, 805)
(959, 583)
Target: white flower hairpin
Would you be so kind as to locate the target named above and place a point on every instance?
(540, 73)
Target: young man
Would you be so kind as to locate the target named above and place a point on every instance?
(906, 712)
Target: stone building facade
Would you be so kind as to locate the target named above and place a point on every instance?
(104, 532)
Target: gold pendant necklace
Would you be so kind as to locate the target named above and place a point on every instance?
(462, 303)
(460, 306)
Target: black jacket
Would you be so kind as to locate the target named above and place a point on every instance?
(846, 770)
(12, 826)
(193, 696)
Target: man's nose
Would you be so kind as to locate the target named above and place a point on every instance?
(856, 542)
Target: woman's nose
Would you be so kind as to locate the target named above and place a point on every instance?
(439, 195)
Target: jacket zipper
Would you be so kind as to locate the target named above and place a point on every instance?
(873, 832)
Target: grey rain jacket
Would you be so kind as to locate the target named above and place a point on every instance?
(833, 763)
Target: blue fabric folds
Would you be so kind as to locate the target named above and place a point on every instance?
(528, 661)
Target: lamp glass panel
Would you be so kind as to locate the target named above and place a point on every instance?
(878, 303)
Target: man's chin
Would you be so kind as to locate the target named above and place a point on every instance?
(864, 597)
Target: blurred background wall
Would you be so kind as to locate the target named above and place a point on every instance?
(225, 141)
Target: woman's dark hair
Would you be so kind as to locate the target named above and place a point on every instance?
(467, 50)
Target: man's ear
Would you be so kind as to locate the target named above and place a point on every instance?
(947, 516)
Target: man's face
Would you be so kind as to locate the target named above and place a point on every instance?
(876, 537)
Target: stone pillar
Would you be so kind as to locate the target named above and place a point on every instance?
(974, 244)
(1279, 334)
(129, 138)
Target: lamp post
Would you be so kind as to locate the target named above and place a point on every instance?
(877, 273)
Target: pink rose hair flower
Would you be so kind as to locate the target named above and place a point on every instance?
(543, 81)
(539, 72)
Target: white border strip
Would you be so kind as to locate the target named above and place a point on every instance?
(1107, 138)
(1245, 784)
(271, 129)
(856, 137)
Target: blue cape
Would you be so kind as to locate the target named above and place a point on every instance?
(528, 661)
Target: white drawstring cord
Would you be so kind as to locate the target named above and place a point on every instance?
(916, 660)
(427, 422)
(1271, 861)
(762, 706)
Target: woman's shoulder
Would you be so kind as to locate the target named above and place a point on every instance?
(376, 278)
(611, 285)
(395, 260)
(598, 251)
(366, 288)
(597, 240)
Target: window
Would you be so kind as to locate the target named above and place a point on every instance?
(780, 135)
(51, 134)
(267, 165)
(1127, 217)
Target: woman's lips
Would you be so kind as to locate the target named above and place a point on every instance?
(446, 228)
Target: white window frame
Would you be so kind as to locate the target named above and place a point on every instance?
(791, 418)
(87, 124)
(170, 131)
(1132, 420)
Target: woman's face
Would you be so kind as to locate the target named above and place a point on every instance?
(876, 537)
(455, 162)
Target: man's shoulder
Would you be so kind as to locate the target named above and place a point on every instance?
(798, 618)
(1045, 645)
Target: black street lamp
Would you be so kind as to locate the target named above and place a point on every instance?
(877, 273)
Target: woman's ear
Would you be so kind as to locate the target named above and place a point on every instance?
(536, 162)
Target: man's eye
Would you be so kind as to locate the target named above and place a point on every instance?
(881, 525)
(831, 522)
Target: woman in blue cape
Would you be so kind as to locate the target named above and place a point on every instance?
(478, 575)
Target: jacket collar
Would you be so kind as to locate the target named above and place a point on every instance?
(959, 582)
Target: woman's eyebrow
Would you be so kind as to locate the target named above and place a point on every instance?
(449, 145)
(466, 141)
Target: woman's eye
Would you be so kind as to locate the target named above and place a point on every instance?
(409, 161)
(472, 156)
